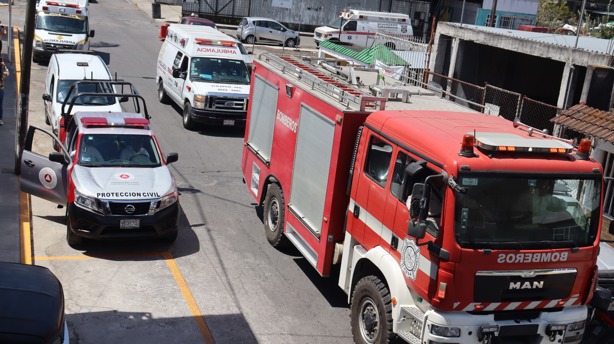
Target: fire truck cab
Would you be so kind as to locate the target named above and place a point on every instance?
(110, 174)
(446, 225)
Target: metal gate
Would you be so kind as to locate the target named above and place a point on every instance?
(217, 8)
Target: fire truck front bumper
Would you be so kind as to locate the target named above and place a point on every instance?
(87, 224)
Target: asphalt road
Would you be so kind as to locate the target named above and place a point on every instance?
(220, 281)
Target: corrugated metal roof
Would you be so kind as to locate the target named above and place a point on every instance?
(587, 120)
(367, 55)
(592, 44)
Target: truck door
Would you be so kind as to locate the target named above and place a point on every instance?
(40, 176)
(370, 195)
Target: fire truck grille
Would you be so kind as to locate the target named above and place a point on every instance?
(529, 285)
(129, 208)
(227, 104)
(57, 46)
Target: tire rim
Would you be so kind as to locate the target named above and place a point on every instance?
(369, 320)
(160, 91)
(273, 215)
(186, 115)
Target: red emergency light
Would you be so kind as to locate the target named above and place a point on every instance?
(136, 122)
(467, 146)
(94, 121)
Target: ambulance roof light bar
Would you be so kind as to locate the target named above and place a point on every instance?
(203, 41)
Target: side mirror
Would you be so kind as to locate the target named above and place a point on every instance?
(417, 229)
(58, 157)
(171, 158)
(175, 72)
(602, 298)
(92, 32)
(415, 202)
(47, 97)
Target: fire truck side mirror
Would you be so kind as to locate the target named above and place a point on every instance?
(602, 298)
(415, 200)
(417, 229)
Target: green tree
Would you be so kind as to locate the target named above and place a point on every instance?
(554, 14)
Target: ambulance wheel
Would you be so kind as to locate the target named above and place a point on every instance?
(371, 312)
(188, 122)
(73, 240)
(290, 43)
(274, 216)
(162, 96)
(250, 39)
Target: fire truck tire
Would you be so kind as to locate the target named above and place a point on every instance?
(162, 96)
(188, 122)
(274, 215)
(250, 39)
(73, 240)
(371, 312)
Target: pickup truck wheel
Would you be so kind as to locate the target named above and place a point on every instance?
(162, 96)
(188, 122)
(371, 312)
(73, 240)
(274, 216)
(250, 39)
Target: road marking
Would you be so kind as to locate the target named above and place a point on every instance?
(25, 228)
(172, 265)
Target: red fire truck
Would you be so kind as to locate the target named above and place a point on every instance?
(446, 225)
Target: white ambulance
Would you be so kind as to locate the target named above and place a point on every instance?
(358, 28)
(61, 25)
(206, 73)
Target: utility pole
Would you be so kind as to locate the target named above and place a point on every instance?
(26, 65)
(493, 13)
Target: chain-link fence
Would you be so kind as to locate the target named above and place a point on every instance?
(537, 114)
(407, 57)
(501, 102)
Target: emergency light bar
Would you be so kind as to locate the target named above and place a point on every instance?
(90, 122)
(505, 142)
(202, 41)
(53, 6)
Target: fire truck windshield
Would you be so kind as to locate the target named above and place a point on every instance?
(512, 212)
(62, 23)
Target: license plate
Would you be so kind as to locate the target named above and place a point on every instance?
(129, 224)
(229, 122)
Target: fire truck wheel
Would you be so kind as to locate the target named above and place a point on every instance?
(371, 312)
(73, 240)
(250, 39)
(162, 96)
(188, 122)
(274, 215)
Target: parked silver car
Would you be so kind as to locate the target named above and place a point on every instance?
(252, 30)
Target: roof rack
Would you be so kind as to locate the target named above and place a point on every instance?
(329, 85)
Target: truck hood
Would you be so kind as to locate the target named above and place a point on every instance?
(123, 183)
(325, 29)
(221, 90)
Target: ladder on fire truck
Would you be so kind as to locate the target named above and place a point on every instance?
(329, 85)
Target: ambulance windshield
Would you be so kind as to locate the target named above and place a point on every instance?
(214, 70)
(336, 23)
(520, 212)
(62, 23)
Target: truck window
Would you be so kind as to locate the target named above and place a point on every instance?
(177, 61)
(378, 161)
(350, 26)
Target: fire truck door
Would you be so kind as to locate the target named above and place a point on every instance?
(370, 196)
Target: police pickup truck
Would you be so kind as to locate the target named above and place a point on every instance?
(110, 174)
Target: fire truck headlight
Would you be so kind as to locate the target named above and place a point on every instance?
(578, 325)
(200, 101)
(89, 203)
(444, 331)
(167, 201)
(574, 331)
